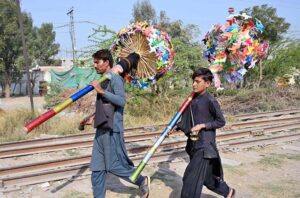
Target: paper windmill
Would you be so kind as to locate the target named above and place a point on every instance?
(234, 47)
(154, 47)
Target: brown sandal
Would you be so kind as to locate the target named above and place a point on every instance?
(145, 187)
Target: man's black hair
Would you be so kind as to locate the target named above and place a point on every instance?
(205, 73)
(104, 54)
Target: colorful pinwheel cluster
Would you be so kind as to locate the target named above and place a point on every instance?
(154, 47)
(234, 47)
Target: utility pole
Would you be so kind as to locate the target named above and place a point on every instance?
(25, 53)
(72, 33)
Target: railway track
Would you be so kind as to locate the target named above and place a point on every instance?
(81, 169)
(242, 135)
(151, 128)
(250, 116)
(86, 140)
(134, 151)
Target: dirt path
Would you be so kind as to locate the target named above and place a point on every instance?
(267, 172)
(21, 102)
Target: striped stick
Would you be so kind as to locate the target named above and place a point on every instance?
(58, 108)
(152, 150)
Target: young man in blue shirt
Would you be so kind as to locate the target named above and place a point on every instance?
(109, 154)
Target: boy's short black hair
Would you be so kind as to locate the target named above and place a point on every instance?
(205, 73)
(104, 54)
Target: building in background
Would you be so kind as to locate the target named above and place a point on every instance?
(40, 76)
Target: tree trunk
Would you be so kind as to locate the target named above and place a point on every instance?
(33, 81)
(7, 89)
(260, 73)
(2, 89)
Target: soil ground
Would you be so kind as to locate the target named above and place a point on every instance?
(21, 102)
(265, 172)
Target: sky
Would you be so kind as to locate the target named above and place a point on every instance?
(116, 14)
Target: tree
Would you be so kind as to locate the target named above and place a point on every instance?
(284, 61)
(143, 11)
(40, 43)
(275, 26)
(44, 48)
(187, 48)
(10, 42)
(185, 39)
(188, 53)
(102, 38)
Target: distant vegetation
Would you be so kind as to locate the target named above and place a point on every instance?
(145, 109)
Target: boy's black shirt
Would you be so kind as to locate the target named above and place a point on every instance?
(204, 109)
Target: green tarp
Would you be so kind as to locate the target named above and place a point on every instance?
(74, 78)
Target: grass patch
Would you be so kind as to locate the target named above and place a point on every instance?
(75, 194)
(234, 170)
(295, 157)
(151, 109)
(231, 119)
(274, 160)
(271, 161)
(72, 152)
(283, 188)
(12, 123)
(259, 100)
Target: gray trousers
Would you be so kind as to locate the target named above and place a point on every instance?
(108, 156)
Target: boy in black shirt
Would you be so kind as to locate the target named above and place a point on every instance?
(205, 165)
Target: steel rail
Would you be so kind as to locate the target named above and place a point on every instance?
(83, 170)
(42, 141)
(266, 141)
(248, 116)
(139, 150)
(19, 151)
(141, 129)
(84, 140)
(55, 146)
(85, 143)
(262, 122)
(75, 171)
